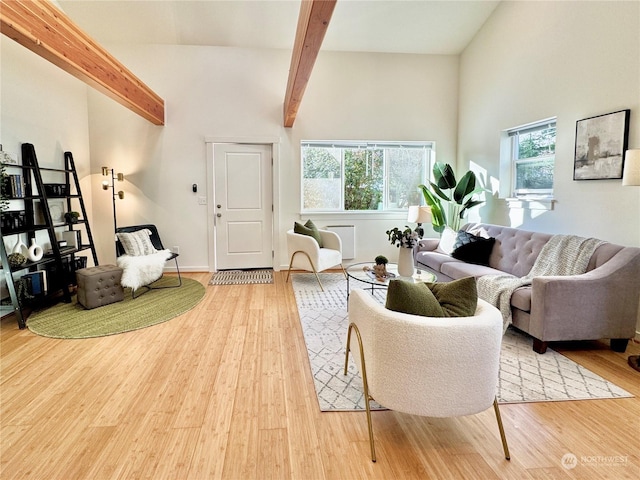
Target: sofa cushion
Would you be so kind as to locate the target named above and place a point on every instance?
(460, 269)
(434, 260)
(472, 248)
(447, 240)
(521, 298)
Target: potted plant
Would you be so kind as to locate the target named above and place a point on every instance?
(71, 217)
(406, 239)
(450, 199)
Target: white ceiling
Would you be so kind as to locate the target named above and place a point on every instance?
(392, 26)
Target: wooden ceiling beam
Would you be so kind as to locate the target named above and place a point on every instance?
(313, 22)
(45, 30)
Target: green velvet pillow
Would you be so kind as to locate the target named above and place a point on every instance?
(308, 229)
(413, 298)
(458, 298)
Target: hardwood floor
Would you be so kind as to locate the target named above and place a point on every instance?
(225, 391)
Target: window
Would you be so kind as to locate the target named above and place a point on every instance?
(354, 176)
(533, 150)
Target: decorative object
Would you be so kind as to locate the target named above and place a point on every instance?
(35, 252)
(406, 239)
(380, 268)
(20, 247)
(405, 262)
(631, 173)
(120, 194)
(600, 145)
(458, 197)
(631, 177)
(525, 376)
(16, 259)
(241, 277)
(71, 217)
(418, 214)
(72, 320)
(56, 209)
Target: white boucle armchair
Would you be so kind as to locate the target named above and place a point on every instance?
(306, 254)
(433, 367)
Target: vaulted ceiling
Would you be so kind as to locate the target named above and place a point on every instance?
(392, 26)
(388, 26)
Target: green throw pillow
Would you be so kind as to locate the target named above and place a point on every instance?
(308, 229)
(458, 298)
(413, 298)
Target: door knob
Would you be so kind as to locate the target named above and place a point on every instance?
(219, 206)
(218, 215)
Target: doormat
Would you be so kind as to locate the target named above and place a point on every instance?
(241, 277)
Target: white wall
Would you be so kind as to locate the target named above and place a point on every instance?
(573, 60)
(232, 92)
(45, 106)
(534, 60)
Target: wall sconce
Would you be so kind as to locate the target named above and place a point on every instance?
(106, 171)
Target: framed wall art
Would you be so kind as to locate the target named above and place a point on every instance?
(600, 145)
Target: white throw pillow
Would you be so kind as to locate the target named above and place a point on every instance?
(447, 239)
(137, 243)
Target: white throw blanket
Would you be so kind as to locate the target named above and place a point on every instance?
(561, 255)
(141, 270)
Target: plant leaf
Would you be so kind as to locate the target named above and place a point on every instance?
(444, 176)
(466, 185)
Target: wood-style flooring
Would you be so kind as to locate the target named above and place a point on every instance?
(225, 391)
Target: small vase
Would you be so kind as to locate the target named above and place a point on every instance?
(35, 252)
(405, 262)
(20, 247)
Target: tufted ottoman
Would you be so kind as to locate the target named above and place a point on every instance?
(98, 286)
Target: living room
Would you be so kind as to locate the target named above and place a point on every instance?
(528, 61)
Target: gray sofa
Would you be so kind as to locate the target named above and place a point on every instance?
(599, 304)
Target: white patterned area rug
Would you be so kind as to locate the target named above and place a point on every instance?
(525, 376)
(241, 277)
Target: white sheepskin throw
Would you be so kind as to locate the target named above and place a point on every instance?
(141, 270)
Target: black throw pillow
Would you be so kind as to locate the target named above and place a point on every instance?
(471, 248)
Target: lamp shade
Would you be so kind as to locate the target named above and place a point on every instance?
(631, 174)
(418, 214)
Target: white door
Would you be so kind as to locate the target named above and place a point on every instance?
(243, 206)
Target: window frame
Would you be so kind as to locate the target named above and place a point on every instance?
(512, 137)
(427, 146)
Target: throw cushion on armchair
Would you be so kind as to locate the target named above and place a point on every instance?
(452, 299)
(310, 229)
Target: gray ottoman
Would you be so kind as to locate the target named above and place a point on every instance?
(98, 286)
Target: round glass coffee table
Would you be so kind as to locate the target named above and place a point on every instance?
(357, 272)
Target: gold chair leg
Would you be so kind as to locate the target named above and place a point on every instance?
(365, 384)
(344, 272)
(501, 428)
(310, 263)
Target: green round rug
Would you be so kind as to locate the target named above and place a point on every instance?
(72, 320)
